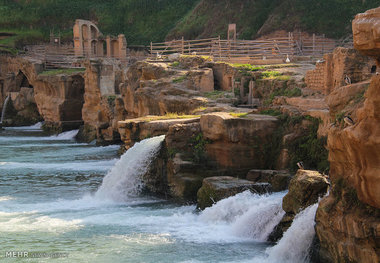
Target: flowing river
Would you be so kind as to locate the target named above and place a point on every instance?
(81, 203)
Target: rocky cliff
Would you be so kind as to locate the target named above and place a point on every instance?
(58, 96)
(348, 219)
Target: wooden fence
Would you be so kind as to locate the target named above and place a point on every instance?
(275, 48)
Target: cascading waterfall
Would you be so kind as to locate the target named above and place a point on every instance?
(124, 179)
(295, 244)
(4, 109)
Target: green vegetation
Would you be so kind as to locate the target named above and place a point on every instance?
(61, 71)
(309, 148)
(246, 67)
(167, 116)
(283, 91)
(199, 148)
(141, 21)
(271, 112)
(179, 79)
(174, 64)
(217, 94)
(239, 114)
(330, 17)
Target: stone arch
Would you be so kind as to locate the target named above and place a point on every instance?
(94, 47)
(114, 48)
(22, 81)
(74, 100)
(94, 32)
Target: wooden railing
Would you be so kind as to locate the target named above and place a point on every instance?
(250, 49)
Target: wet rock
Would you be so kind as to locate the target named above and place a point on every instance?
(219, 187)
(304, 190)
(279, 179)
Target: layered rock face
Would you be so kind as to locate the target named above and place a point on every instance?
(59, 98)
(103, 106)
(366, 31)
(331, 72)
(238, 143)
(348, 219)
(157, 89)
(305, 188)
(217, 188)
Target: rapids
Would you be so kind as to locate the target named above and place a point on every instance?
(60, 196)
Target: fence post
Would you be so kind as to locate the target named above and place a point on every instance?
(323, 43)
(220, 48)
(151, 48)
(313, 43)
(182, 45)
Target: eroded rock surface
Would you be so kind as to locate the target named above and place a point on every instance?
(217, 188)
(348, 220)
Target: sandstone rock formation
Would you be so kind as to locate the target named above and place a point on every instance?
(278, 179)
(348, 219)
(330, 73)
(305, 188)
(157, 89)
(238, 143)
(365, 29)
(103, 106)
(59, 98)
(217, 188)
(134, 130)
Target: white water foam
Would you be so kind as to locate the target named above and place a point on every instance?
(34, 127)
(250, 215)
(69, 135)
(103, 165)
(295, 244)
(30, 221)
(124, 178)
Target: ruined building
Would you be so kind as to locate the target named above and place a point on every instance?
(90, 42)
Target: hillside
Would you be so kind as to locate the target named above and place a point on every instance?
(143, 21)
(258, 17)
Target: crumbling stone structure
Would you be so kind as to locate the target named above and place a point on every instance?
(90, 42)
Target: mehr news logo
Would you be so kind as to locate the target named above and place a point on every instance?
(26, 254)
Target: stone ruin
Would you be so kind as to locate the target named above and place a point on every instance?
(90, 42)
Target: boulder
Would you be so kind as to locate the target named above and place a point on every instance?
(305, 189)
(348, 220)
(134, 130)
(219, 187)
(366, 33)
(238, 143)
(157, 89)
(279, 179)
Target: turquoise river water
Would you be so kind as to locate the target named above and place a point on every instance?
(62, 201)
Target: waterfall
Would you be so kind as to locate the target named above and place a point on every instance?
(4, 108)
(123, 180)
(294, 246)
(247, 215)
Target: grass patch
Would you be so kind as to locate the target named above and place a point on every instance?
(61, 71)
(246, 67)
(199, 109)
(179, 79)
(21, 38)
(270, 74)
(174, 64)
(239, 114)
(167, 116)
(271, 112)
(217, 94)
